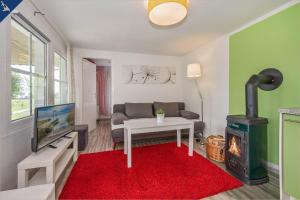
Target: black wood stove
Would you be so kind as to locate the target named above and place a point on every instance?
(246, 148)
(246, 135)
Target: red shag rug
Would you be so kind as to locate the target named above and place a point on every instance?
(158, 172)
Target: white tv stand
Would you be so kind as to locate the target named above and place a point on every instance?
(50, 162)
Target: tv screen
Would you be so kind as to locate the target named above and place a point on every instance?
(52, 123)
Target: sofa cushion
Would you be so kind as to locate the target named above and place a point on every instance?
(139, 110)
(118, 118)
(170, 109)
(119, 108)
(189, 115)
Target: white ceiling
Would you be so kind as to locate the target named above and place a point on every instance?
(123, 25)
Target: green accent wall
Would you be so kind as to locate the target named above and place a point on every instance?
(273, 42)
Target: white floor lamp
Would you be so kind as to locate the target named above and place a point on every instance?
(194, 72)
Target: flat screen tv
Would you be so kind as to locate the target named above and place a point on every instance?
(52, 123)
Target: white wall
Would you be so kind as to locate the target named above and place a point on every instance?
(15, 136)
(129, 92)
(214, 84)
(214, 59)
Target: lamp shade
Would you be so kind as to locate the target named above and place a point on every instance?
(194, 70)
(167, 12)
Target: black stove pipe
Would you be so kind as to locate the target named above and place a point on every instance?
(268, 79)
(251, 94)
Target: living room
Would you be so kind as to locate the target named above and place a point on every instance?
(200, 100)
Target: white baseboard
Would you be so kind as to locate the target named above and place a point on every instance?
(272, 167)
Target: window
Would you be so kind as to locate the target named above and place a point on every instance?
(28, 70)
(60, 80)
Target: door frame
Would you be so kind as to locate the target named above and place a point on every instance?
(82, 92)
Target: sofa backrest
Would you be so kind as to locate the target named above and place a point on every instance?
(120, 108)
(139, 110)
(181, 106)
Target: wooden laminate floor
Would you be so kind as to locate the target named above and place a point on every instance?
(100, 140)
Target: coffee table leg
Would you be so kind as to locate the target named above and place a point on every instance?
(191, 140)
(178, 138)
(125, 140)
(129, 149)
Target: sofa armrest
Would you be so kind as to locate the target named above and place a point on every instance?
(118, 118)
(199, 126)
(189, 114)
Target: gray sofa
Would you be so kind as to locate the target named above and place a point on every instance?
(127, 111)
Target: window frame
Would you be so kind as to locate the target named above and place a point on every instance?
(33, 31)
(66, 82)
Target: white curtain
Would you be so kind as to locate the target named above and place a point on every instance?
(71, 76)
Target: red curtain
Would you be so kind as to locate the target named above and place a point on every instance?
(101, 90)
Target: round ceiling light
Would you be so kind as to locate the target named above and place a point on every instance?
(167, 12)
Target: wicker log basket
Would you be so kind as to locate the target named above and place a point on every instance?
(215, 148)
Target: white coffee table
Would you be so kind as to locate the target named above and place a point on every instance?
(137, 126)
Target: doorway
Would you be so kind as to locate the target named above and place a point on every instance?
(103, 85)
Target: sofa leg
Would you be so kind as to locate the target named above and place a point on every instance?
(202, 139)
(115, 145)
